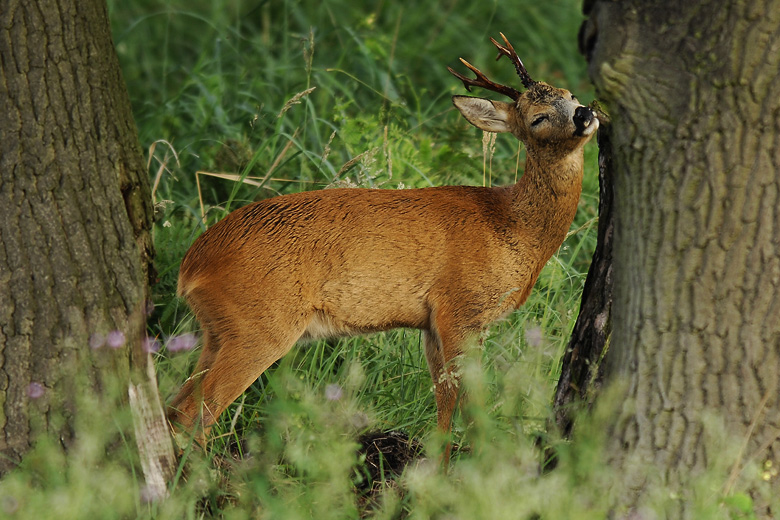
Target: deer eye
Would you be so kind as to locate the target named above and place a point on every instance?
(538, 120)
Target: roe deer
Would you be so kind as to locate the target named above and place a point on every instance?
(447, 260)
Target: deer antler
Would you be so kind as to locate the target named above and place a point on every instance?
(510, 53)
(482, 81)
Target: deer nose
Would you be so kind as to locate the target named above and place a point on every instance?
(583, 117)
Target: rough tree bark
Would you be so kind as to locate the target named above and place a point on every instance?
(693, 92)
(75, 220)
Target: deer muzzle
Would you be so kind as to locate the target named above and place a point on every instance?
(585, 121)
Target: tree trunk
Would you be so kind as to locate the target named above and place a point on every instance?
(582, 368)
(693, 92)
(75, 220)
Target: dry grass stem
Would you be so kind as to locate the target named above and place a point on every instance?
(163, 163)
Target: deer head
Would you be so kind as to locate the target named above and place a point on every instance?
(543, 116)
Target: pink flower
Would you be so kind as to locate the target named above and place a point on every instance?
(96, 341)
(151, 344)
(333, 392)
(35, 390)
(150, 494)
(534, 336)
(115, 339)
(183, 342)
(10, 505)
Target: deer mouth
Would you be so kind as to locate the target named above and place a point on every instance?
(585, 121)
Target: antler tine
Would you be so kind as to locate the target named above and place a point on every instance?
(483, 82)
(510, 53)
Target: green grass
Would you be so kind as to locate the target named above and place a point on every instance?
(215, 81)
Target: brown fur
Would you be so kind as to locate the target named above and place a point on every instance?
(447, 260)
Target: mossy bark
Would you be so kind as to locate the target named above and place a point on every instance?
(693, 92)
(75, 219)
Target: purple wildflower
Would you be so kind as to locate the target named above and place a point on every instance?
(35, 390)
(10, 504)
(96, 341)
(333, 392)
(115, 339)
(151, 344)
(183, 342)
(534, 336)
(151, 494)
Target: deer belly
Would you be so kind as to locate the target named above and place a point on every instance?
(369, 302)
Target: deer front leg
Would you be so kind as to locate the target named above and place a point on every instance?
(441, 351)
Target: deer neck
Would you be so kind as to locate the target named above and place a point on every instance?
(545, 198)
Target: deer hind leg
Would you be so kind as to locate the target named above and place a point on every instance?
(230, 362)
(182, 414)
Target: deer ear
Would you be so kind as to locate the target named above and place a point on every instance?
(487, 115)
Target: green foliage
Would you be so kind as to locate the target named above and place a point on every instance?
(302, 463)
